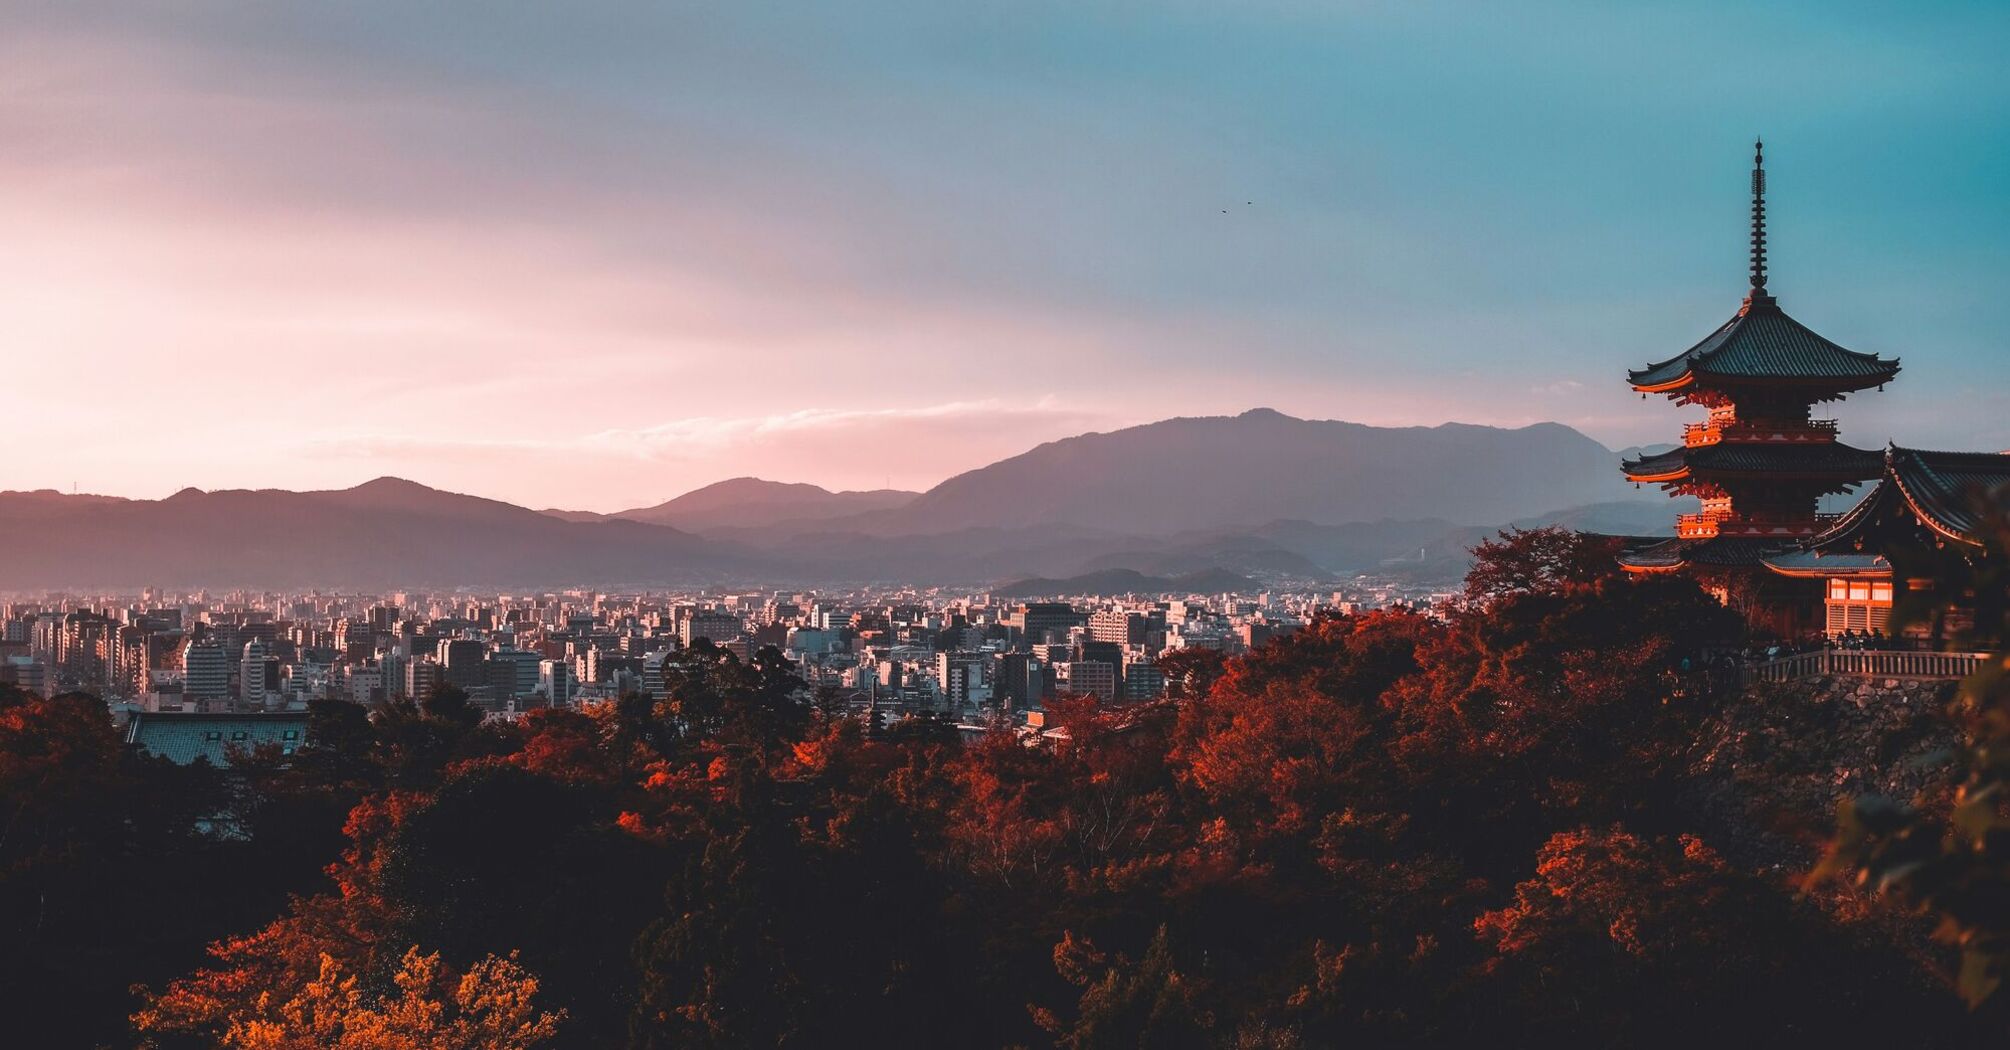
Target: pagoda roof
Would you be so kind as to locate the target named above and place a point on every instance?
(1718, 552)
(1762, 345)
(1829, 459)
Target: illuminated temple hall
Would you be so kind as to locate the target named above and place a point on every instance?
(1924, 506)
(1761, 461)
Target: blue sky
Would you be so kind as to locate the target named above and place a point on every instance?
(595, 254)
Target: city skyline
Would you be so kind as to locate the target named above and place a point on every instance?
(596, 259)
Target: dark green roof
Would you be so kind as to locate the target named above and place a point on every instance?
(1814, 562)
(1944, 486)
(1939, 488)
(184, 737)
(1721, 551)
(1763, 344)
(1823, 458)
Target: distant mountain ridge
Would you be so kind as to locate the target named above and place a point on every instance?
(1260, 494)
(1128, 581)
(745, 501)
(1216, 472)
(388, 532)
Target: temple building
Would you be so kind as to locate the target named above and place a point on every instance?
(1761, 460)
(1925, 512)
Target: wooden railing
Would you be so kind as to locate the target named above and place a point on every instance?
(1869, 663)
(1724, 523)
(1712, 431)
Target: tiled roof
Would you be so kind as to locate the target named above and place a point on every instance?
(183, 736)
(1721, 551)
(1934, 487)
(1825, 458)
(1942, 486)
(1763, 343)
(1661, 554)
(1818, 563)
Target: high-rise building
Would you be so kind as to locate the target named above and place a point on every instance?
(1143, 681)
(422, 679)
(1040, 622)
(1016, 680)
(253, 680)
(1089, 678)
(463, 663)
(652, 673)
(205, 672)
(26, 673)
(957, 674)
(554, 681)
(713, 626)
(513, 672)
(1118, 626)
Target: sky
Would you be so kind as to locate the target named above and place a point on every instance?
(594, 254)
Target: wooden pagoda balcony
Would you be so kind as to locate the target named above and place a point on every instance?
(1712, 431)
(1721, 523)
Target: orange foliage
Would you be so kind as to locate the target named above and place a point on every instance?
(1640, 897)
(489, 1007)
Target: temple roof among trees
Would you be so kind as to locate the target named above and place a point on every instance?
(1828, 459)
(1943, 488)
(1718, 551)
(1939, 489)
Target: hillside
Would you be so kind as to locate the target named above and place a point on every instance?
(1226, 471)
(1128, 581)
(388, 531)
(744, 502)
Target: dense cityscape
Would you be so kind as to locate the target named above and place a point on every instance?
(243, 668)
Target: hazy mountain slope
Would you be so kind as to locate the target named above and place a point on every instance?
(1235, 552)
(1164, 499)
(1225, 471)
(388, 532)
(744, 502)
(1128, 581)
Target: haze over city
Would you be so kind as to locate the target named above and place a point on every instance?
(595, 255)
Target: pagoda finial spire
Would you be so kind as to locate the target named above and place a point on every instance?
(1758, 217)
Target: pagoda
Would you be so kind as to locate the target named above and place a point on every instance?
(1761, 461)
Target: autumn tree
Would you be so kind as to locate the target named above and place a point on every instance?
(83, 821)
(489, 1006)
(1291, 731)
(1620, 938)
(1547, 560)
(1128, 1002)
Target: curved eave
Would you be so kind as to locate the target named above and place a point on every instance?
(1688, 473)
(1658, 478)
(1926, 517)
(1677, 383)
(1654, 556)
(1802, 565)
(1714, 381)
(1650, 570)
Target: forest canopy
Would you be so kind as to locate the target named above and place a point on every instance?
(1499, 826)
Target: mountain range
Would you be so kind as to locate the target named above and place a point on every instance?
(1259, 494)
(751, 502)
